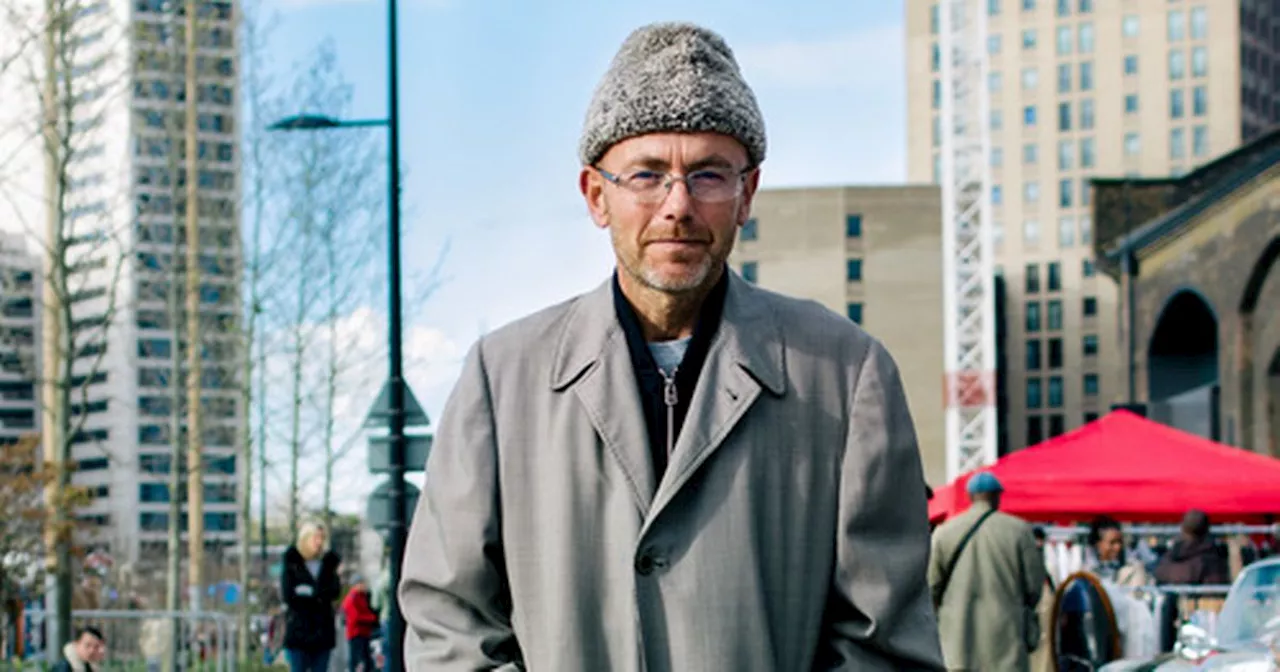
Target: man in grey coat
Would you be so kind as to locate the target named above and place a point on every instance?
(987, 616)
(677, 471)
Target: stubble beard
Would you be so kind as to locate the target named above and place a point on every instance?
(652, 279)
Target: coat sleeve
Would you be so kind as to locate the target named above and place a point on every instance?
(879, 614)
(1034, 573)
(453, 591)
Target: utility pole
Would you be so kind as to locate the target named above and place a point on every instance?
(195, 437)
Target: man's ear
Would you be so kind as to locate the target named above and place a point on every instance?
(591, 184)
(750, 184)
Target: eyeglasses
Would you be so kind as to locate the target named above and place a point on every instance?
(708, 185)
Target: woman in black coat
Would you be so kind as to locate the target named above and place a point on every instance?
(309, 585)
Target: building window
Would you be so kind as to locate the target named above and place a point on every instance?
(1032, 278)
(1055, 315)
(1029, 115)
(1086, 76)
(1086, 6)
(1055, 276)
(1028, 5)
(1033, 317)
(1090, 306)
(1066, 154)
(1199, 62)
(1035, 430)
(750, 271)
(997, 195)
(1030, 79)
(1177, 64)
(935, 19)
(1178, 143)
(854, 227)
(993, 7)
(993, 44)
(1086, 192)
(1087, 269)
(1177, 104)
(1199, 101)
(854, 312)
(1030, 153)
(1199, 23)
(997, 157)
(1064, 116)
(1057, 425)
(1200, 141)
(750, 230)
(1090, 384)
(1090, 417)
(1086, 114)
(1066, 189)
(1064, 40)
(1031, 192)
(1086, 230)
(1132, 144)
(1064, 7)
(1131, 103)
(1064, 78)
(1087, 156)
(1035, 393)
(1055, 392)
(995, 82)
(853, 270)
(1055, 353)
(997, 234)
(1086, 38)
(1033, 355)
(1131, 65)
(1031, 232)
(1066, 231)
(997, 119)
(1090, 345)
(937, 94)
(1129, 25)
(1177, 26)
(1029, 38)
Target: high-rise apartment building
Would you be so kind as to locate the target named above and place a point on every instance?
(871, 254)
(19, 329)
(1078, 89)
(122, 96)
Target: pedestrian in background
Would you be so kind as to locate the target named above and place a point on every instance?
(310, 586)
(987, 575)
(361, 624)
(678, 471)
(83, 654)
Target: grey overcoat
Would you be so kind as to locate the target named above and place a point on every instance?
(788, 533)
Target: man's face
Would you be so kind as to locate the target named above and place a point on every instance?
(677, 243)
(1110, 544)
(91, 649)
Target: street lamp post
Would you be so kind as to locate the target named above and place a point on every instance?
(398, 527)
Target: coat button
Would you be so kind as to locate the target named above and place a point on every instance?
(645, 564)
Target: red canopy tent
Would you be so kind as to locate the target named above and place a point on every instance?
(1132, 469)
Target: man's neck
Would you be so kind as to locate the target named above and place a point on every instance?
(664, 316)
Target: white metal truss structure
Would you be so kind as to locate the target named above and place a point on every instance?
(967, 264)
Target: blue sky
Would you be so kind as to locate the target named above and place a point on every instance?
(492, 99)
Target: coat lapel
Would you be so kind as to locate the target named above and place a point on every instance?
(592, 357)
(746, 358)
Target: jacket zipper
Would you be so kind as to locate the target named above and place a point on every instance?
(670, 396)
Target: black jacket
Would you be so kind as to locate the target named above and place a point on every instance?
(1195, 563)
(649, 378)
(309, 601)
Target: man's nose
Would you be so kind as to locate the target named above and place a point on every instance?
(679, 202)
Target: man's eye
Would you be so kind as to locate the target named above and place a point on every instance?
(645, 176)
(708, 177)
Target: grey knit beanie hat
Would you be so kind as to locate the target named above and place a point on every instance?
(672, 77)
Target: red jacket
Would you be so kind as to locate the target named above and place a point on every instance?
(361, 619)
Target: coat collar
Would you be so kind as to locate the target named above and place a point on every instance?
(592, 358)
(749, 334)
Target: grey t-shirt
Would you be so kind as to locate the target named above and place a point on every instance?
(669, 354)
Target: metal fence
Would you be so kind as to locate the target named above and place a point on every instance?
(142, 640)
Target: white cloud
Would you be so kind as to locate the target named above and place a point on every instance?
(862, 59)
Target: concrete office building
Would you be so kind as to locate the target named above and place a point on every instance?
(874, 255)
(1078, 89)
(124, 226)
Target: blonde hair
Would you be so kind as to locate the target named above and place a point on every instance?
(306, 531)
